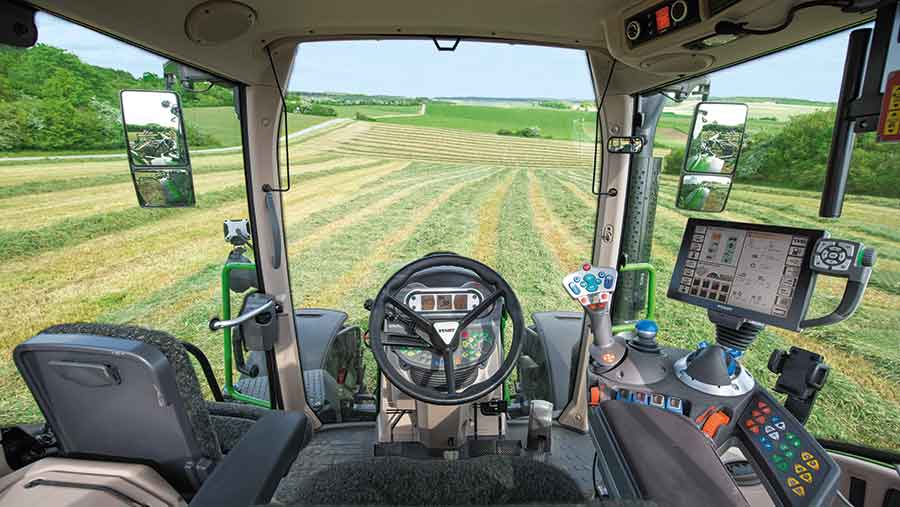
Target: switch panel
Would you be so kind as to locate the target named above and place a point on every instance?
(661, 19)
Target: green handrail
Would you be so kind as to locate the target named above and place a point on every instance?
(651, 293)
(226, 315)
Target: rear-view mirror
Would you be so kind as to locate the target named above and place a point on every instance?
(712, 155)
(633, 144)
(157, 149)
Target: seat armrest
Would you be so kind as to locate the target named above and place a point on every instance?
(252, 470)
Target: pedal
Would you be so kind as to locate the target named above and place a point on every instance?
(540, 426)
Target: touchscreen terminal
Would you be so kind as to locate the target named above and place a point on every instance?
(758, 272)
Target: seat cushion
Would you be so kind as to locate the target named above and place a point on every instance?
(232, 420)
(404, 481)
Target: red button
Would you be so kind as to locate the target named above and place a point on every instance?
(760, 420)
(755, 429)
(749, 423)
(761, 404)
(756, 413)
(767, 410)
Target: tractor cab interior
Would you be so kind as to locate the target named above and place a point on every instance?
(470, 400)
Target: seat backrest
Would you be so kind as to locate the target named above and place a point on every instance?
(122, 393)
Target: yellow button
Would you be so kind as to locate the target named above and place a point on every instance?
(799, 491)
(791, 482)
(806, 456)
(799, 469)
(807, 477)
(813, 463)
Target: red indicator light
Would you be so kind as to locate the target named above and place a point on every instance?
(662, 19)
(586, 267)
(608, 358)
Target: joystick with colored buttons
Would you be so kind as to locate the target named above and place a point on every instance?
(593, 287)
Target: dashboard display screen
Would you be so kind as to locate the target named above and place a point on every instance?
(754, 271)
(444, 302)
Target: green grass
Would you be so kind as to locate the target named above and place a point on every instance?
(553, 123)
(221, 124)
(373, 111)
(351, 223)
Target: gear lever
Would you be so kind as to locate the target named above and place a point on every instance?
(593, 287)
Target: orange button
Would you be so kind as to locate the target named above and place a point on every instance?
(755, 429)
(713, 422)
(595, 396)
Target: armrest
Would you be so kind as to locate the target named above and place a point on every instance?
(252, 470)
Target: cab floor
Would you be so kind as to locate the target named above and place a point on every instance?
(571, 451)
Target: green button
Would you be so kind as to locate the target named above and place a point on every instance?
(789, 454)
(784, 467)
(790, 436)
(784, 447)
(777, 458)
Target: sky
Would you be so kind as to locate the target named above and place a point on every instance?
(416, 68)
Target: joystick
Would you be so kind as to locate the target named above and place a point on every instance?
(593, 287)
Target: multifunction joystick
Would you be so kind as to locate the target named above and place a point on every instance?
(593, 287)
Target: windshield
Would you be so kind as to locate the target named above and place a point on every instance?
(791, 97)
(481, 151)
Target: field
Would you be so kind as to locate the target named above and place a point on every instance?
(554, 123)
(371, 196)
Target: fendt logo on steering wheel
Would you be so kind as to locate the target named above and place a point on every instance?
(446, 330)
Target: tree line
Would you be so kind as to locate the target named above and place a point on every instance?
(51, 100)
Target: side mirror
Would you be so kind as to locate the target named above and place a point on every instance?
(632, 144)
(157, 149)
(712, 155)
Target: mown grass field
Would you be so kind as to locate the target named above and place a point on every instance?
(368, 198)
(554, 123)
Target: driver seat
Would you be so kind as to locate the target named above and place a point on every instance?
(125, 393)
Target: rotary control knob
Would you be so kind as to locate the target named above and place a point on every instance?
(633, 30)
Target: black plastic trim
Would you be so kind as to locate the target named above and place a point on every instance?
(207, 369)
(254, 467)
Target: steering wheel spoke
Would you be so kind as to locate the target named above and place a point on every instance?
(405, 340)
(474, 314)
(450, 372)
(419, 323)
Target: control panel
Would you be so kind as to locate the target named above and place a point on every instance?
(592, 286)
(661, 19)
(797, 469)
(835, 256)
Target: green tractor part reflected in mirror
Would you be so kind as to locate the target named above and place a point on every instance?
(157, 149)
(703, 192)
(712, 156)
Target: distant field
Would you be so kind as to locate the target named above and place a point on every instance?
(556, 124)
(222, 125)
(371, 196)
(373, 111)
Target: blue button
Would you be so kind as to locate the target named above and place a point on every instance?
(590, 278)
(776, 419)
(574, 288)
(576, 279)
(608, 282)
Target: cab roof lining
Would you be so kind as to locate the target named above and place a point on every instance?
(592, 25)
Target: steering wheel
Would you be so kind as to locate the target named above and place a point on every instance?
(432, 340)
